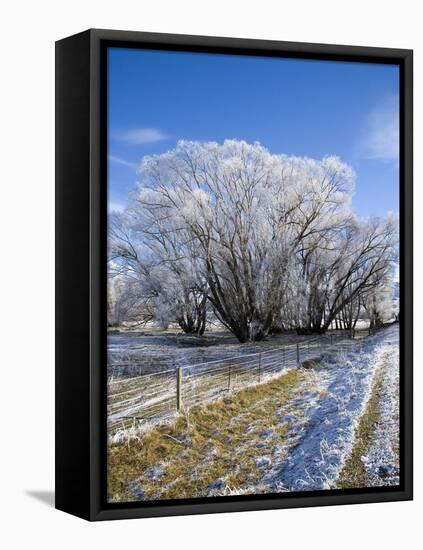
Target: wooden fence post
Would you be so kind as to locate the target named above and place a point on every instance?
(283, 355)
(178, 388)
(229, 376)
(298, 354)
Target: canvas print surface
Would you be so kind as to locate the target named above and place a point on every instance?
(253, 275)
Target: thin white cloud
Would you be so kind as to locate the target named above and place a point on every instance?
(123, 162)
(140, 136)
(379, 138)
(114, 206)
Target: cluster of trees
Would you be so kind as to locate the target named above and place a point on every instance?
(256, 241)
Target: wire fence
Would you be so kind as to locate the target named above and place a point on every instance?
(151, 398)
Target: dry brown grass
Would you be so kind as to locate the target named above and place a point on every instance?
(311, 363)
(211, 447)
(353, 473)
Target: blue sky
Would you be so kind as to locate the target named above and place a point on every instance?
(297, 107)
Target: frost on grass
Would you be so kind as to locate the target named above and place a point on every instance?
(152, 351)
(293, 433)
(347, 377)
(222, 448)
(382, 459)
(149, 399)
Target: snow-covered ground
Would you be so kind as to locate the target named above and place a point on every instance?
(323, 437)
(136, 353)
(306, 438)
(381, 461)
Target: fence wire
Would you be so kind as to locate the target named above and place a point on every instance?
(156, 397)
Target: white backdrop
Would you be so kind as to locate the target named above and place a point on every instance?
(29, 29)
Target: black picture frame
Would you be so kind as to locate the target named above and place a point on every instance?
(81, 218)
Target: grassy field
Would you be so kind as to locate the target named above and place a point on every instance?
(222, 446)
(328, 424)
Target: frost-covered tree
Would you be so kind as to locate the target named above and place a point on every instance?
(379, 304)
(126, 302)
(249, 218)
(270, 242)
(366, 256)
(168, 290)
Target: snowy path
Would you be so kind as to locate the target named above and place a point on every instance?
(324, 437)
(382, 459)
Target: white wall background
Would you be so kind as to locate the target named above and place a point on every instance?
(28, 31)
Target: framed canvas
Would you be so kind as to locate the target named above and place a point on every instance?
(234, 224)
